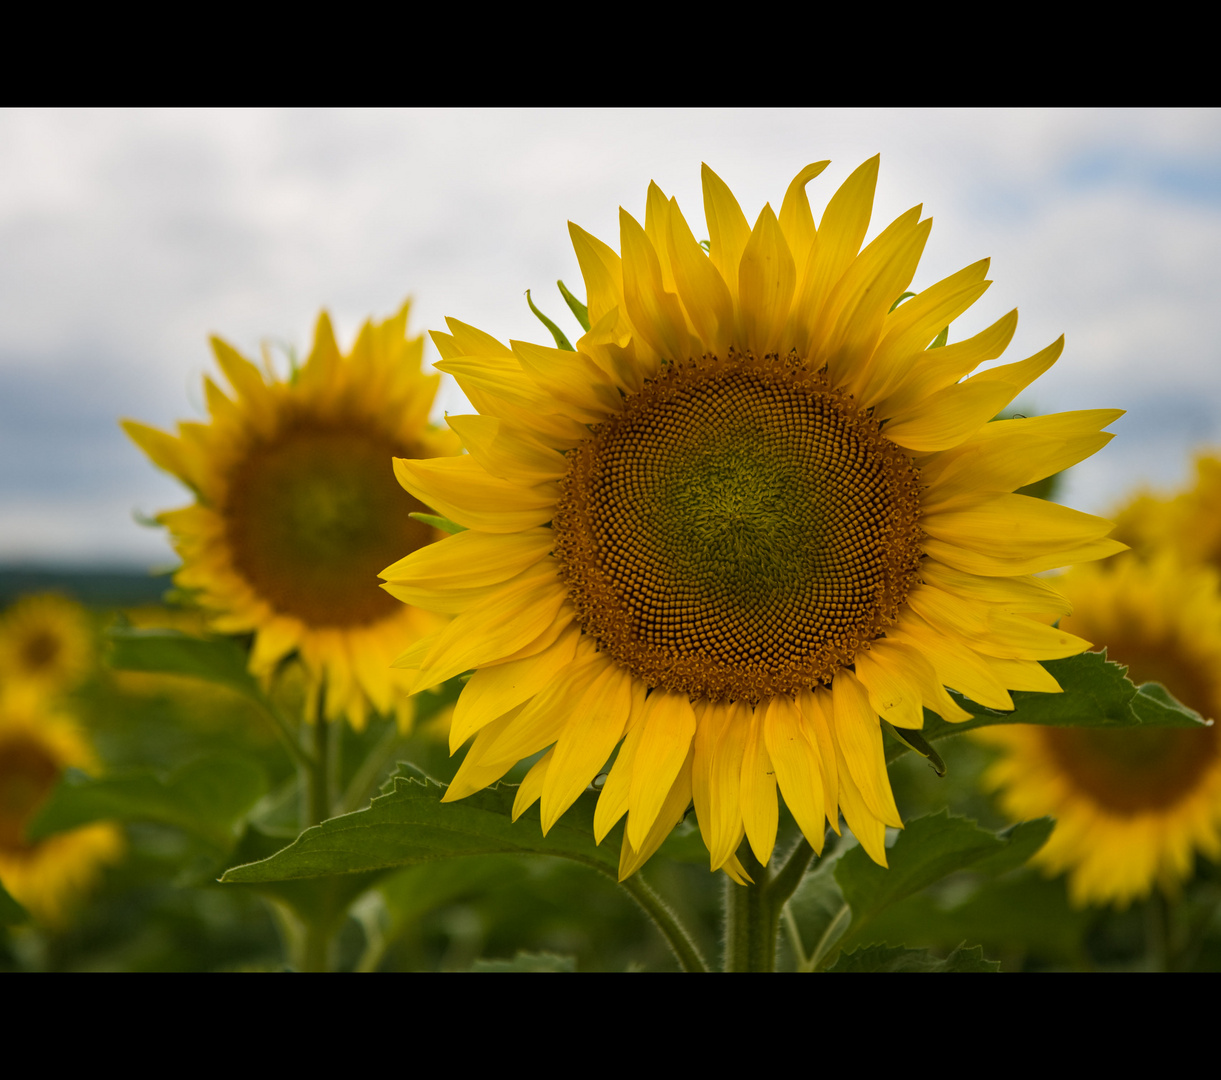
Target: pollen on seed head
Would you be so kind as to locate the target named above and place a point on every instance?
(740, 530)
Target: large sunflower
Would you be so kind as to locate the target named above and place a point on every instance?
(752, 513)
(48, 876)
(297, 510)
(46, 646)
(1132, 807)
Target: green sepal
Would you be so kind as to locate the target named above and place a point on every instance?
(913, 740)
(581, 311)
(941, 338)
(208, 798)
(561, 342)
(905, 296)
(438, 522)
(890, 958)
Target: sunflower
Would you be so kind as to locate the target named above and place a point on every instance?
(1131, 807)
(1188, 523)
(296, 509)
(749, 515)
(47, 876)
(46, 646)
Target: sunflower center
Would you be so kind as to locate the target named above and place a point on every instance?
(1144, 769)
(40, 650)
(27, 775)
(1134, 771)
(739, 530)
(314, 515)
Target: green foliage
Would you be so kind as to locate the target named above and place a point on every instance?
(838, 903)
(1096, 693)
(208, 798)
(171, 652)
(410, 825)
(891, 958)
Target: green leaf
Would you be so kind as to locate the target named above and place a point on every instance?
(11, 912)
(561, 342)
(1096, 693)
(926, 851)
(889, 958)
(905, 296)
(941, 338)
(526, 961)
(207, 798)
(438, 522)
(409, 825)
(575, 306)
(171, 652)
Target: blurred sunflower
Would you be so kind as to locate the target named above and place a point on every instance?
(1131, 807)
(49, 876)
(1188, 523)
(750, 514)
(297, 510)
(46, 646)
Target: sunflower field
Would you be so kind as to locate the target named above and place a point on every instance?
(734, 626)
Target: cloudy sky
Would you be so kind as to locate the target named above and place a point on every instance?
(128, 237)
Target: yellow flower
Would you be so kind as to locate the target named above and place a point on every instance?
(297, 510)
(1131, 807)
(47, 876)
(748, 516)
(1188, 523)
(46, 646)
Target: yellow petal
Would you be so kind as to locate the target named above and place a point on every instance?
(505, 454)
(815, 709)
(492, 691)
(893, 696)
(865, 826)
(470, 559)
(463, 491)
(1016, 595)
(976, 562)
(657, 229)
(796, 220)
(532, 785)
(797, 765)
(957, 666)
(766, 279)
(843, 227)
(471, 341)
(667, 729)
(613, 798)
(760, 812)
(603, 274)
(473, 774)
(1014, 526)
(935, 369)
(655, 313)
(725, 782)
(700, 287)
(678, 798)
(728, 229)
(595, 726)
(569, 377)
(859, 737)
(166, 451)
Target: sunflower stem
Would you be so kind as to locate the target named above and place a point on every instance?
(752, 919)
(364, 783)
(317, 775)
(677, 936)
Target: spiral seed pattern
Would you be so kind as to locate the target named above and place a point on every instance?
(740, 530)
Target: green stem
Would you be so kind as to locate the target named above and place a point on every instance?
(1157, 932)
(318, 775)
(830, 936)
(370, 771)
(751, 919)
(677, 936)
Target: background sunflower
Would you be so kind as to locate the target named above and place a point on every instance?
(297, 511)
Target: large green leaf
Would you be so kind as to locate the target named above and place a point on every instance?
(889, 958)
(836, 905)
(170, 652)
(410, 825)
(207, 798)
(1097, 693)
